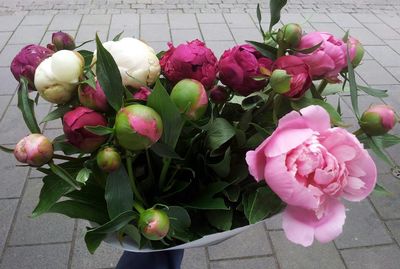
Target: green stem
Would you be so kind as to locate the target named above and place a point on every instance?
(62, 157)
(358, 132)
(266, 105)
(164, 172)
(138, 207)
(281, 51)
(322, 86)
(132, 178)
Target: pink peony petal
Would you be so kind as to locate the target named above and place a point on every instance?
(330, 225)
(283, 141)
(344, 153)
(316, 117)
(256, 163)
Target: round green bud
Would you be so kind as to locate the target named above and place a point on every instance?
(108, 159)
(280, 81)
(289, 35)
(153, 224)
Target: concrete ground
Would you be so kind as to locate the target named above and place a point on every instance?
(371, 234)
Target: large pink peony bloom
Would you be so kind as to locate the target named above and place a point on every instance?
(191, 60)
(311, 166)
(329, 59)
(239, 66)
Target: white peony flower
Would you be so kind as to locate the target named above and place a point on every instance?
(57, 77)
(137, 62)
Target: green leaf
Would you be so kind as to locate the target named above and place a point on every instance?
(373, 92)
(26, 106)
(79, 210)
(380, 190)
(172, 120)
(164, 150)
(65, 147)
(334, 88)
(179, 217)
(259, 18)
(57, 113)
(53, 189)
(311, 49)
(304, 102)
(232, 193)
(259, 204)
(220, 132)
(100, 130)
(220, 219)
(7, 150)
(383, 141)
(160, 54)
(223, 168)
(264, 49)
(93, 241)
(133, 233)
(64, 175)
(275, 9)
(117, 37)
(353, 84)
(118, 192)
(83, 175)
(87, 56)
(84, 43)
(109, 76)
(379, 151)
(206, 200)
(115, 224)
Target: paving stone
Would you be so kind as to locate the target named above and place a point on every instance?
(8, 54)
(37, 20)
(218, 47)
(27, 34)
(345, 20)
(329, 27)
(379, 257)
(239, 20)
(153, 19)
(105, 256)
(54, 256)
(365, 17)
(394, 228)
(319, 17)
(4, 101)
(65, 22)
(8, 83)
(7, 211)
(215, 32)
(88, 32)
(183, 21)
(96, 19)
(126, 32)
(365, 36)
(384, 55)
(125, 20)
(253, 263)
(395, 71)
(4, 36)
(243, 34)
(291, 17)
(182, 35)
(374, 73)
(274, 222)
(47, 228)
(210, 18)
(9, 23)
(155, 32)
(194, 258)
(362, 227)
(257, 244)
(12, 178)
(383, 31)
(392, 21)
(388, 206)
(394, 44)
(292, 256)
(158, 45)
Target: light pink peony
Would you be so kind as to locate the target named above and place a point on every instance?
(329, 59)
(310, 166)
(34, 149)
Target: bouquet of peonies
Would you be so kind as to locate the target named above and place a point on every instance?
(180, 149)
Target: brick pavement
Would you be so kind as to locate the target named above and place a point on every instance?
(371, 235)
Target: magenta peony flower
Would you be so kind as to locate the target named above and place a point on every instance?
(329, 59)
(61, 41)
(34, 149)
(74, 123)
(142, 94)
(297, 74)
(239, 66)
(93, 98)
(27, 60)
(191, 60)
(310, 166)
(378, 120)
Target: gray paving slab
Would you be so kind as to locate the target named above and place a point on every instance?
(388, 206)
(373, 73)
(218, 47)
(329, 27)
(239, 20)
(217, 32)
(8, 83)
(379, 257)
(10, 23)
(155, 32)
(7, 211)
(104, 257)
(382, 30)
(291, 256)
(4, 37)
(384, 55)
(362, 227)
(153, 18)
(37, 19)
(210, 18)
(194, 258)
(345, 20)
(257, 244)
(12, 178)
(96, 19)
(316, 17)
(88, 32)
(65, 22)
(28, 34)
(48, 228)
(367, 17)
(394, 228)
(4, 101)
(367, 37)
(242, 34)
(54, 256)
(254, 263)
(182, 35)
(183, 21)
(8, 53)
(394, 44)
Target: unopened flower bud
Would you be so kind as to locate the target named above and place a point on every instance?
(219, 94)
(93, 98)
(357, 51)
(289, 35)
(35, 150)
(63, 41)
(280, 81)
(108, 159)
(138, 127)
(378, 120)
(142, 94)
(153, 224)
(190, 97)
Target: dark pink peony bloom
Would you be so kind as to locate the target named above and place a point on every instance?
(93, 98)
(239, 66)
(142, 94)
(191, 60)
(61, 41)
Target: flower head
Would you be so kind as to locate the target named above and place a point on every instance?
(378, 120)
(34, 149)
(93, 98)
(153, 224)
(62, 41)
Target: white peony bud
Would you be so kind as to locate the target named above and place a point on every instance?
(57, 77)
(137, 62)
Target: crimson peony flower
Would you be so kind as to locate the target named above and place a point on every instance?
(27, 60)
(239, 66)
(74, 123)
(93, 98)
(191, 60)
(61, 41)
